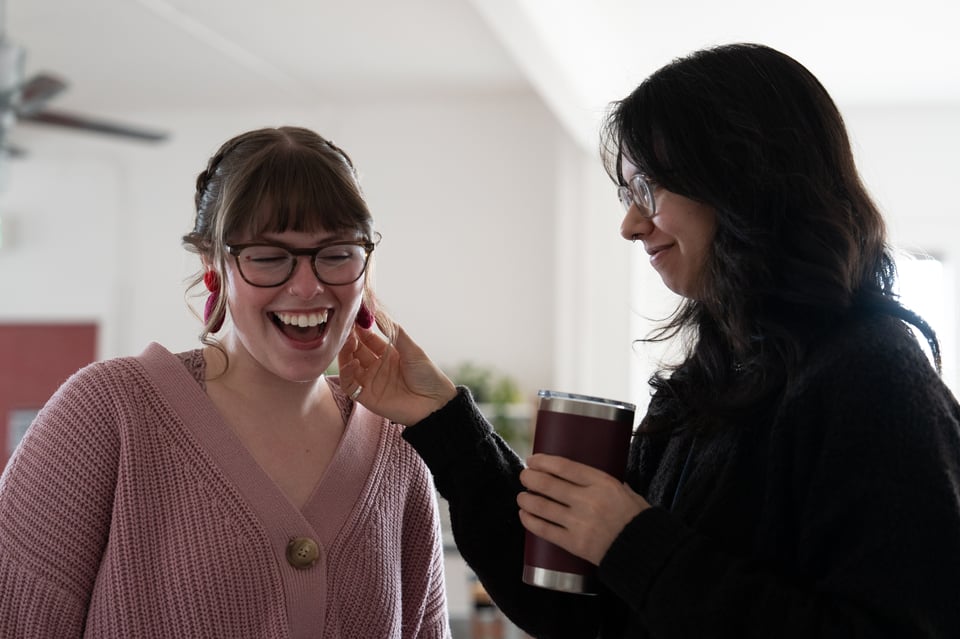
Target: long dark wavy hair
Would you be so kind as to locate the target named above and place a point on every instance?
(799, 243)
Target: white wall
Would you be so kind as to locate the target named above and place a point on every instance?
(500, 233)
(463, 190)
(910, 162)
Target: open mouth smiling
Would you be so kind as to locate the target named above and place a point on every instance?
(301, 327)
(301, 320)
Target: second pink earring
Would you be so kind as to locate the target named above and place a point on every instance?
(364, 317)
(212, 281)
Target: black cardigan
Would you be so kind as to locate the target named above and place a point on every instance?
(836, 515)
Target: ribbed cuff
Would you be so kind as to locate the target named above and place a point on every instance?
(637, 556)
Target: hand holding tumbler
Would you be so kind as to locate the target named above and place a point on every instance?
(589, 430)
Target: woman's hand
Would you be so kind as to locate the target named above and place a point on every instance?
(575, 506)
(397, 379)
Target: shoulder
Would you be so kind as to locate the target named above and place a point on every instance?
(870, 379)
(106, 384)
(79, 426)
(100, 379)
(195, 363)
(876, 349)
(396, 453)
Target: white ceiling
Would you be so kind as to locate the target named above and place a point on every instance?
(133, 56)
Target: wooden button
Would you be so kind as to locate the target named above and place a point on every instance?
(302, 552)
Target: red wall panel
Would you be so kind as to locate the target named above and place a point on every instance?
(35, 359)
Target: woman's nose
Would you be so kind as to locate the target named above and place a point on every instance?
(634, 226)
(304, 282)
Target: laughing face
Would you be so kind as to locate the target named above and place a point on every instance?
(295, 330)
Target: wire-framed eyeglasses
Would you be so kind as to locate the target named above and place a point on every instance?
(336, 263)
(638, 190)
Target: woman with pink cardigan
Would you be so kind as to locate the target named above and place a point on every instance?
(234, 490)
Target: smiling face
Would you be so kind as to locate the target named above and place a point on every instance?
(285, 186)
(677, 239)
(295, 330)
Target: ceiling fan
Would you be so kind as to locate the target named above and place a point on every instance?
(25, 100)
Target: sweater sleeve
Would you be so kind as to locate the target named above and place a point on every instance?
(864, 461)
(478, 474)
(55, 501)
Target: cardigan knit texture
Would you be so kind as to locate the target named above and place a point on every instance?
(836, 514)
(131, 510)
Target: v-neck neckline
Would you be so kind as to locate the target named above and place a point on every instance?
(335, 495)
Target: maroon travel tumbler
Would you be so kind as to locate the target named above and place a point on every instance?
(589, 430)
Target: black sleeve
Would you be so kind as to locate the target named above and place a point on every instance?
(478, 474)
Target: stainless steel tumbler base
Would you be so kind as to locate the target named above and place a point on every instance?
(556, 580)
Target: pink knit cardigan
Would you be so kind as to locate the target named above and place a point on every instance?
(131, 510)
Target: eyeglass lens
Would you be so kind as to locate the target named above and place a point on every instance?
(638, 191)
(269, 265)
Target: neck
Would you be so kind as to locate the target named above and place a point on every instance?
(251, 384)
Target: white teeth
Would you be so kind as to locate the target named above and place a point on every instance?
(303, 320)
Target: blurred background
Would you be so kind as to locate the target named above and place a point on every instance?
(474, 126)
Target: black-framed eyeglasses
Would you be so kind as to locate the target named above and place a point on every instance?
(638, 190)
(267, 265)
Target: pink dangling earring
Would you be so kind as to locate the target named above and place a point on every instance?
(364, 316)
(212, 281)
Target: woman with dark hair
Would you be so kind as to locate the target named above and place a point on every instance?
(797, 474)
(233, 490)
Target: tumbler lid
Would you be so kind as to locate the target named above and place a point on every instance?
(586, 406)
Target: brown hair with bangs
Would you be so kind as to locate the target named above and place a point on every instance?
(275, 180)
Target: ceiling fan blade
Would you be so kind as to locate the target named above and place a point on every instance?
(85, 123)
(37, 91)
(13, 151)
